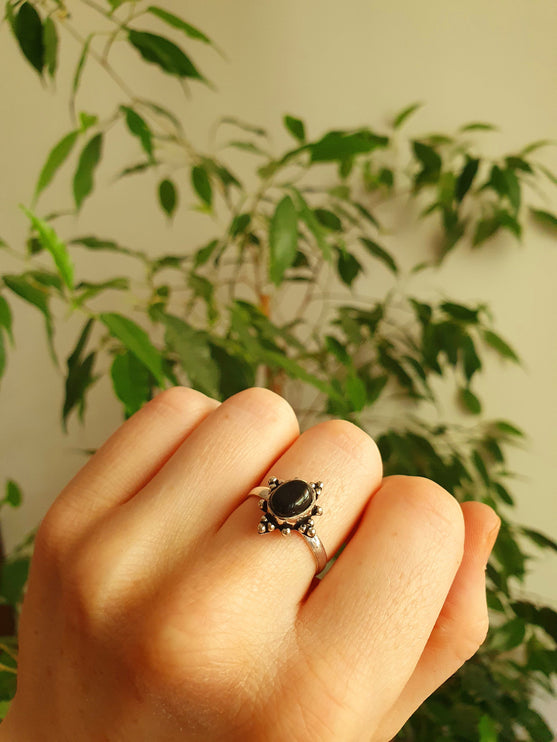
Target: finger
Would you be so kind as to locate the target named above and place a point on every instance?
(364, 627)
(270, 566)
(125, 462)
(461, 626)
(206, 477)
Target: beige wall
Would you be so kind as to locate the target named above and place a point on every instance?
(334, 64)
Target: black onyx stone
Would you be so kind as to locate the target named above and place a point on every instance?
(291, 499)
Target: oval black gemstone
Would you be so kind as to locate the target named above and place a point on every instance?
(291, 498)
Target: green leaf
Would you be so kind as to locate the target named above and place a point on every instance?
(29, 33)
(50, 43)
(235, 372)
(487, 729)
(204, 288)
(401, 117)
(518, 163)
(537, 145)
(255, 149)
(460, 312)
(485, 229)
(80, 65)
(10, 17)
(12, 580)
(366, 214)
(508, 636)
(498, 344)
(233, 121)
(545, 218)
(328, 219)
(430, 160)
(295, 127)
(164, 53)
(540, 539)
(137, 126)
(509, 429)
(6, 318)
(356, 392)
(91, 289)
(13, 494)
(307, 215)
(194, 354)
(204, 253)
(348, 266)
(337, 145)
(51, 242)
(512, 188)
(337, 349)
(131, 382)
(239, 224)
(168, 197)
(79, 377)
(283, 239)
(481, 468)
(202, 184)
(164, 112)
(181, 25)
(466, 178)
(136, 340)
(536, 726)
(470, 401)
(25, 288)
(58, 155)
(470, 359)
(478, 126)
(503, 493)
(2, 355)
(84, 174)
(380, 253)
(96, 243)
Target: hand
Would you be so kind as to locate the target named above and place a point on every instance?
(155, 612)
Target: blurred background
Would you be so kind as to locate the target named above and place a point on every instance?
(334, 65)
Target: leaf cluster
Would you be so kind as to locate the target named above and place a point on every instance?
(272, 298)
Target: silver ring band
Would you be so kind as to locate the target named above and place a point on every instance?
(297, 499)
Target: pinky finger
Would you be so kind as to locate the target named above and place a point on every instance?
(462, 624)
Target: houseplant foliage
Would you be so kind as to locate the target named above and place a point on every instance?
(213, 316)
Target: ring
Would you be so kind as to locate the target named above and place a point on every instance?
(290, 506)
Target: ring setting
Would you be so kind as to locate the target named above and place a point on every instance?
(290, 506)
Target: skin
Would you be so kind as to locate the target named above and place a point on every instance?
(155, 610)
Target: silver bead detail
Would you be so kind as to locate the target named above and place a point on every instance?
(261, 528)
(311, 532)
(273, 481)
(262, 503)
(286, 531)
(318, 510)
(270, 527)
(303, 528)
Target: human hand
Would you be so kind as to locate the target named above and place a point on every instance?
(156, 612)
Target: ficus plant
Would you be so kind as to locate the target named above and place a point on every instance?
(277, 298)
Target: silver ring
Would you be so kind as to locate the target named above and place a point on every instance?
(289, 506)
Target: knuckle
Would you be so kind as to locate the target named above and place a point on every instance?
(433, 503)
(54, 535)
(82, 591)
(461, 638)
(190, 651)
(180, 400)
(356, 442)
(262, 401)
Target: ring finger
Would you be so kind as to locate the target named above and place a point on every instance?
(348, 463)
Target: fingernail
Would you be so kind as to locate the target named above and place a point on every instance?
(491, 537)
